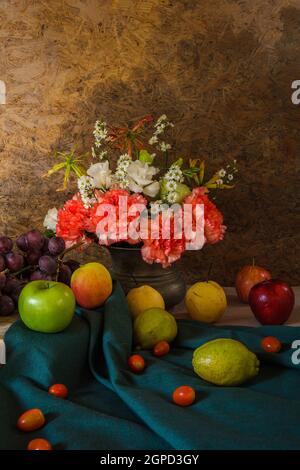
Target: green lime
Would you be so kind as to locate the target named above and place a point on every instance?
(225, 362)
(152, 326)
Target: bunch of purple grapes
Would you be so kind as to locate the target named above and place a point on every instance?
(36, 257)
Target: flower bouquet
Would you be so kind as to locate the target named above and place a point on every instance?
(163, 210)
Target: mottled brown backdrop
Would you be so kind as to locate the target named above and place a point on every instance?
(220, 69)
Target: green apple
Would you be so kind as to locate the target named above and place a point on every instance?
(46, 306)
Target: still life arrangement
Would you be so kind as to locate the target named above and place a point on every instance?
(137, 178)
(40, 281)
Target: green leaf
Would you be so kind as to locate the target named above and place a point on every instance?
(55, 168)
(201, 172)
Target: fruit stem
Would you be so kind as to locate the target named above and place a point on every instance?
(67, 250)
(253, 262)
(21, 270)
(61, 256)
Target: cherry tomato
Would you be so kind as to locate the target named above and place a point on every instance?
(271, 344)
(59, 390)
(184, 395)
(161, 349)
(31, 420)
(136, 363)
(39, 444)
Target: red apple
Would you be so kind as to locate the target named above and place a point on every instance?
(271, 301)
(247, 277)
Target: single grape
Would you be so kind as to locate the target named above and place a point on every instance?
(2, 280)
(6, 244)
(56, 246)
(22, 242)
(2, 263)
(73, 264)
(7, 306)
(16, 294)
(40, 276)
(35, 240)
(65, 274)
(33, 257)
(47, 264)
(14, 261)
(11, 284)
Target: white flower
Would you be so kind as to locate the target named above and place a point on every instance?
(164, 146)
(85, 183)
(222, 173)
(155, 207)
(174, 173)
(50, 220)
(171, 197)
(230, 177)
(140, 175)
(153, 140)
(171, 185)
(100, 133)
(86, 189)
(102, 154)
(152, 189)
(160, 129)
(161, 118)
(219, 182)
(123, 166)
(124, 158)
(101, 174)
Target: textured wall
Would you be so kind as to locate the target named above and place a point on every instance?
(220, 69)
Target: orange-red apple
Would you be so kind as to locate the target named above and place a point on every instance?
(91, 284)
(247, 277)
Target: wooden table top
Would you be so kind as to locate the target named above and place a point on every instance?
(237, 314)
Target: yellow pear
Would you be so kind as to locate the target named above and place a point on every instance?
(142, 298)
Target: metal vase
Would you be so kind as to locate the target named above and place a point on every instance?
(129, 268)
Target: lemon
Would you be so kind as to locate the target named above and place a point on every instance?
(152, 326)
(225, 362)
(142, 298)
(205, 301)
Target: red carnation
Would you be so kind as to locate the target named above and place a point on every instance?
(213, 227)
(159, 249)
(123, 213)
(72, 221)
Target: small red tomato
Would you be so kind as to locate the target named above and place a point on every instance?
(31, 420)
(184, 395)
(59, 390)
(271, 344)
(136, 363)
(161, 349)
(39, 444)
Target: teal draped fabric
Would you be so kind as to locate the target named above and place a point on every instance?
(110, 408)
